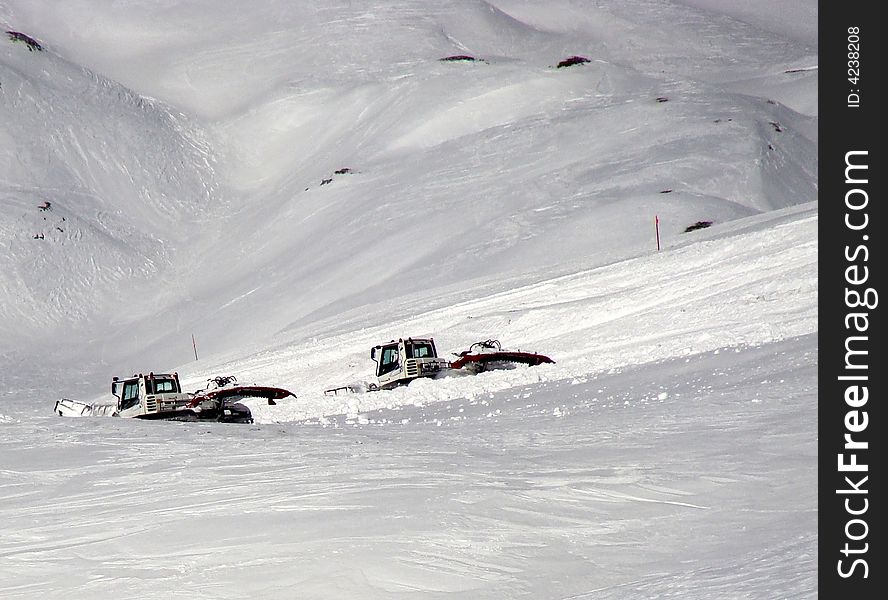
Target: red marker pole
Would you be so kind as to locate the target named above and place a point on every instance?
(657, 229)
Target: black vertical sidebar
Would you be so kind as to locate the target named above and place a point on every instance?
(852, 369)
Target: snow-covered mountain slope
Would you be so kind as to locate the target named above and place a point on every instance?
(457, 170)
(293, 183)
(91, 184)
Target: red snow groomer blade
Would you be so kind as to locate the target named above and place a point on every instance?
(240, 392)
(488, 355)
(226, 389)
(224, 403)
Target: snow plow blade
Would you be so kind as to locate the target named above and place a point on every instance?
(345, 389)
(74, 408)
(489, 355)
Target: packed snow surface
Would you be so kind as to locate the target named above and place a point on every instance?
(276, 189)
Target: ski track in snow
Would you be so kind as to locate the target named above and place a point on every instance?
(580, 479)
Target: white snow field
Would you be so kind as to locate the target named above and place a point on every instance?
(293, 183)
